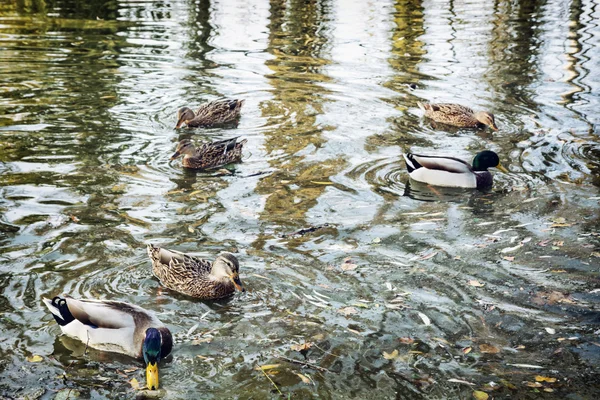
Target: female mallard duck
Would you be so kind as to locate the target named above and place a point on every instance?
(452, 172)
(195, 276)
(209, 114)
(115, 326)
(210, 155)
(457, 115)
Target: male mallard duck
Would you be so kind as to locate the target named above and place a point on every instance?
(457, 115)
(209, 114)
(115, 326)
(210, 155)
(452, 172)
(195, 276)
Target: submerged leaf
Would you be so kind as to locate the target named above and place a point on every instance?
(488, 348)
(135, 385)
(348, 311)
(35, 358)
(301, 347)
(266, 367)
(304, 378)
(540, 378)
(390, 356)
(479, 395)
(425, 319)
(475, 283)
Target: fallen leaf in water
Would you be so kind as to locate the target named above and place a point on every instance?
(390, 356)
(266, 367)
(130, 370)
(425, 319)
(321, 182)
(428, 256)
(549, 390)
(551, 298)
(533, 384)
(488, 348)
(301, 347)
(595, 254)
(454, 380)
(406, 340)
(526, 366)
(304, 378)
(467, 350)
(135, 385)
(558, 243)
(479, 395)
(540, 378)
(509, 258)
(475, 283)
(35, 358)
(376, 240)
(544, 243)
(190, 229)
(558, 271)
(198, 341)
(348, 311)
(74, 218)
(551, 331)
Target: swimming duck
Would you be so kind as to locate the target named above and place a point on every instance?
(457, 115)
(115, 326)
(195, 276)
(452, 172)
(209, 114)
(209, 155)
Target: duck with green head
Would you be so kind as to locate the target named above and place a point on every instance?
(209, 114)
(457, 115)
(452, 172)
(194, 276)
(117, 327)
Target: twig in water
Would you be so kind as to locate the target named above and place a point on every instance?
(269, 378)
(306, 364)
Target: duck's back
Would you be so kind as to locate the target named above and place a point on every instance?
(217, 112)
(450, 114)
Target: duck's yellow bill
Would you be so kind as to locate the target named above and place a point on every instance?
(235, 278)
(152, 376)
(501, 168)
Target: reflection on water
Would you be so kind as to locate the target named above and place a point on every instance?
(403, 290)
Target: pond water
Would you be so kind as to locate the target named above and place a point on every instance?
(401, 291)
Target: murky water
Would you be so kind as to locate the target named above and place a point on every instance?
(466, 287)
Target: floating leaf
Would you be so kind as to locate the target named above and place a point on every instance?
(454, 380)
(509, 258)
(190, 229)
(488, 348)
(475, 283)
(551, 331)
(406, 340)
(540, 378)
(35, 358)
(74, 218)
(376, 240)
(390, 356)
(348, 311)
(135, 385)
(425, 318)
(348, 265)
(467, 350)
(301, 347)
(549, 390)
(266, 367)
(304, 378)
(479, 395)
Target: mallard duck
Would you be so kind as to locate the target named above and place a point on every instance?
(452, 172)
(115, 326)
(209, 114)
(457, 115)
(210, 155)
(195, 276)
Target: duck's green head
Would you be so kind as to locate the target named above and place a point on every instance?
(487, 159)
(151, 351)
(184, 114)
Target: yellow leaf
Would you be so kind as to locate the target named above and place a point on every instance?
(488, 348)
(301, 347)
(304, 378)
(549, 390)
(479, 395)
(134, 384)
(475, 283)
(190, 229)
(35, 358)
(540, 378)
(467, 350)
(321, 183)
(390, 356)
(266, 367)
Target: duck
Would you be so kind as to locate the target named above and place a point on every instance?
(194, 276)
(457, 115)
(116, 327)
(212, 113)
(209, 155)
(452, 172)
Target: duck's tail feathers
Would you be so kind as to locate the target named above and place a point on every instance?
(411, 163)
(60, 311)
(235, 104)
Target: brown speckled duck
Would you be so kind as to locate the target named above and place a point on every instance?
(457, 115)
(209, 155)
(209, 114)
(195, 276)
